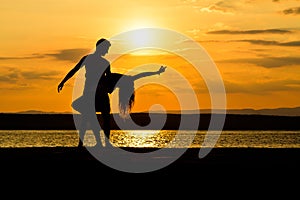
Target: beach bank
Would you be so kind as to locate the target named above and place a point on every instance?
(218, 158)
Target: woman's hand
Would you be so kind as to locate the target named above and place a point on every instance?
(161, 69)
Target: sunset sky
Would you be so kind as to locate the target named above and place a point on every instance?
(254, 44)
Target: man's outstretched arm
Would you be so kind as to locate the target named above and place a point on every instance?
(71, 73)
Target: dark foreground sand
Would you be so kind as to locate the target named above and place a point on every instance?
(71, 171)
(60, 158)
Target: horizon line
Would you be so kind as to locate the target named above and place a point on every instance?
(294, 111)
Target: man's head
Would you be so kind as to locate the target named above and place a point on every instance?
(102, 46)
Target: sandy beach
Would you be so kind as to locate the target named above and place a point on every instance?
(68, 171)
(59, 158)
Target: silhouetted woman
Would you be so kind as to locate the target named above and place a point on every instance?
(125, 83)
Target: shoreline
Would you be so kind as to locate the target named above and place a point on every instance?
(142, 120)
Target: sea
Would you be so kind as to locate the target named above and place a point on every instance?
(155, 138)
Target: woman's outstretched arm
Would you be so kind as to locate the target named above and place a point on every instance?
(144, 74)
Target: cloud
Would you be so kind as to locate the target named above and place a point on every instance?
(33, 75)
(33, 56)
(69, 54)
(224, 7)
(264, 31)
(229, 6)
(268, 42)
(267, 62)
(257, 42)
(264, 87)
(292, 11)
(13, 75)
(64, 54)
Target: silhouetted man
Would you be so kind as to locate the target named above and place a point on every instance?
(97, 71)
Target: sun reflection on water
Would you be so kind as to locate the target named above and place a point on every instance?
(140, 138)
(151, 138)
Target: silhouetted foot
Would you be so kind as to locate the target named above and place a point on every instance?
(98, 147)
(80, 144)
(108, 144)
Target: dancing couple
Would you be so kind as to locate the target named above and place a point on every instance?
(99, 83)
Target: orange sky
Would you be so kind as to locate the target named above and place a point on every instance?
(254, 44)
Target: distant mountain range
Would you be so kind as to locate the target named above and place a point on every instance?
(40, 112)
(276, 111)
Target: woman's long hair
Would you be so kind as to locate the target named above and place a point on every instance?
(125, 83)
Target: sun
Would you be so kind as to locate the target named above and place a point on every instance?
(136, 39)
(142, 37)
(141, 23)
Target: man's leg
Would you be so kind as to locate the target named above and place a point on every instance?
(95, 126)
(106, 125)
(81, 131)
